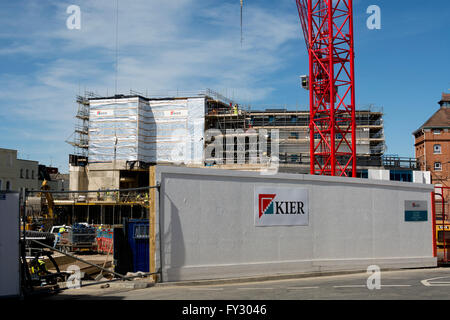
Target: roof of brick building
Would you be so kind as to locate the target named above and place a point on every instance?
(441, 118)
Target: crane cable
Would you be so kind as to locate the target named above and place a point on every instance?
(242, 5)
(117, 46)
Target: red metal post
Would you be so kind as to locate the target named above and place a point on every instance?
(312, 158)
(353, 102)
(444, 240)
(330, 45)
(433, 222)
(443, 225)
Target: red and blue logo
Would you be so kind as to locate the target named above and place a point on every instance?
(266, 204)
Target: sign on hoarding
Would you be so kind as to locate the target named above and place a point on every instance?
(102, 113)
(176, 113)
(281, 206)
(416, 211)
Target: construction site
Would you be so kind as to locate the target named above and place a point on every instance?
(183, 187)
(118, 139)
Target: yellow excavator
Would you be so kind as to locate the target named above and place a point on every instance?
(49, 198)
(47, 215)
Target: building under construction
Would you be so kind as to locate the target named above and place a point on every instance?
(117, 139)
(294, 139)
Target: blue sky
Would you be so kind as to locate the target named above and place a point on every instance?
(189, 45)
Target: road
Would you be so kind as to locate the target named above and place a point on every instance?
(421, 284)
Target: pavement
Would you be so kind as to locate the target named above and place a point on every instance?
(410, 284)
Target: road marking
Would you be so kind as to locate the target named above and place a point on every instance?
(255, 288)
(427, 283)
(301, 288)
(206, 289)
(396, 285)
(363, 286)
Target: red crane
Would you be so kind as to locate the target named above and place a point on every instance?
(328, 31)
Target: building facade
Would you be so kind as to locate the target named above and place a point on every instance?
(432, 148)
(17, 174)
(27, 175)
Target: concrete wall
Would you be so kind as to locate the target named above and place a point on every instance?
(78, 178)
(208, 231)
(378, 174)
(422, 177)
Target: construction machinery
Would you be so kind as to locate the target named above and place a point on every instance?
(49, 198)
(78, 238)
(328, 31)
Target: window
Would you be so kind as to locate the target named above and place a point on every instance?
(8, 186)
(294, 135)
(294, 158)
(401, 175)
(437, 166)
(21, 173)
(436, 131)
(32, 174)
(0, 184)
(26, 173)
(362, 174)
(437, 149)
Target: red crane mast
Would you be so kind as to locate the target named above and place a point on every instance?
(328, 31)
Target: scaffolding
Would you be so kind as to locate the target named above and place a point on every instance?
(80, 137)
(294, 138)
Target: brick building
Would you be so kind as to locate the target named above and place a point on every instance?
(432, 147)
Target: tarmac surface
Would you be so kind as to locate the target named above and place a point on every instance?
(411, 284)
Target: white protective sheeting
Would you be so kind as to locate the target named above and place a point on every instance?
(113, 125)
(150, 131)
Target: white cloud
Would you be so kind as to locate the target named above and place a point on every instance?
(163, 45)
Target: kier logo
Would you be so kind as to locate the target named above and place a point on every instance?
(280, 206)
(266, 204)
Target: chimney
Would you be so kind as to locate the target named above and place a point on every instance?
(445, 101)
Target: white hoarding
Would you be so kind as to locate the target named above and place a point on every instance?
(9, 245)
(281, 206)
